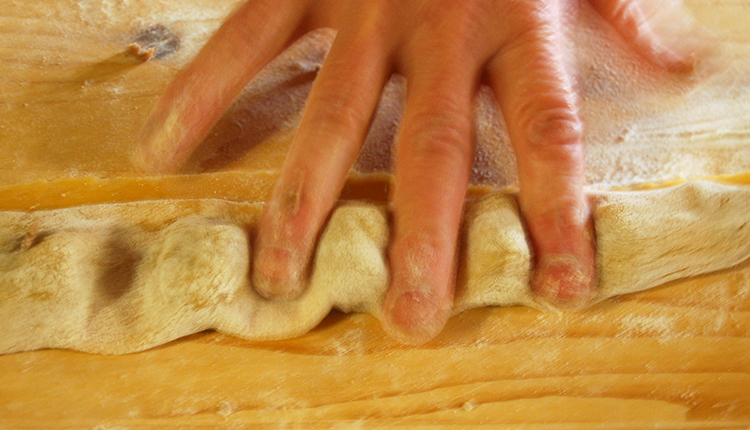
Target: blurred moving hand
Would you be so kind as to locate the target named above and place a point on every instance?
(444, 49)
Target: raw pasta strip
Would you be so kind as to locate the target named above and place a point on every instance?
(119, 278)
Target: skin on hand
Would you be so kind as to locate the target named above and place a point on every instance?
(444, 49)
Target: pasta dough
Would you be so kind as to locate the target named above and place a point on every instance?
(119, 278)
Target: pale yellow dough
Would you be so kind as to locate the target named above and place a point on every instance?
(119, 278)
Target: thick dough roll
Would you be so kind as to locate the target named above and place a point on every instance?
(121, 278)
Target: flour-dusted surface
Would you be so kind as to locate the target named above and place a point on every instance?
(119, 278)
(75, 108)
(674, 357)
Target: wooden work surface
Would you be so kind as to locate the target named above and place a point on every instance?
(676, 357)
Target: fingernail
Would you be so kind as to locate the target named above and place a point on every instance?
(278, 273)
(413, 317)
(562, 282)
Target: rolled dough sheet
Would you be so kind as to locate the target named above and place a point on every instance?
(119, 278)
(82, 117)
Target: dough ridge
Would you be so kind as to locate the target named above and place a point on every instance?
(120, 278)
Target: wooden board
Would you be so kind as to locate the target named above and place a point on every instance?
(677, 357)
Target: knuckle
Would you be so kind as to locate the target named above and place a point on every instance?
(440, 136)
(337, 111)
(553, 128)
(440, 148)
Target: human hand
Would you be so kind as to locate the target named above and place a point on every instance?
(444, 49)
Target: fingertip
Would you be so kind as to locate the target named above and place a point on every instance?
(142, 160)
(420, 295)
(278, 275)
(143, 157)
(564, 282)
(158, 149)
(414, 317)
(146, 160)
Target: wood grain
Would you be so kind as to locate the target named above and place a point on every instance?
(677, 357)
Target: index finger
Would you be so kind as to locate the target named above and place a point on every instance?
(195, 100)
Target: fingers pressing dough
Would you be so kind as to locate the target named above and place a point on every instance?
(120, 278)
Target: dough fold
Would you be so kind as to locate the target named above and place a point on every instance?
(120, 278)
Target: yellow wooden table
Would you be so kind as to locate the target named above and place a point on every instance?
(677, 357)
